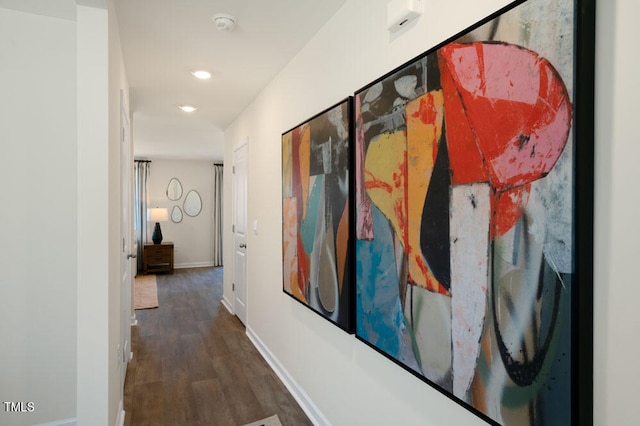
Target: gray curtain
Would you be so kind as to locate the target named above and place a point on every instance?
(217, 214)
(141, 176)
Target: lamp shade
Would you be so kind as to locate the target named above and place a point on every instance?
(158, 214)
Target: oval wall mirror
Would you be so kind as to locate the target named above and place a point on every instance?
(176, 214)
(192, 203)
(174, 189)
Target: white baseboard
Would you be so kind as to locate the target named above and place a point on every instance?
(308, 406)
(121, 414)
(193, 265)
(227, 305)
(64, 422)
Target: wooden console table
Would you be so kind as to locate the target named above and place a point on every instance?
(157, 258)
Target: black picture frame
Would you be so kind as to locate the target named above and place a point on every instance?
(507, 368)
(317, 211)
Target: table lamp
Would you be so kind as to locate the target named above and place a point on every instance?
(157, 215)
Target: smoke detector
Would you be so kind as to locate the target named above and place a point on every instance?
(224, 22)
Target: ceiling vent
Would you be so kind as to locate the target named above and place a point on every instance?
(224, 22)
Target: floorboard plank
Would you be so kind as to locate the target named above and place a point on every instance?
(148, 402)
(179, 401)
(211, 403)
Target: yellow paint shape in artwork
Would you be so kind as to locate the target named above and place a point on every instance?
(385, 170)
(304, 155)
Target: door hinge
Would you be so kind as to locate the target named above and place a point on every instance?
(233, 228)
(233, 286)
(233, 169)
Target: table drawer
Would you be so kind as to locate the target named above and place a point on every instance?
(158, 258)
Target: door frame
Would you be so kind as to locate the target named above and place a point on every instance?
(126, 237)
(242, 145)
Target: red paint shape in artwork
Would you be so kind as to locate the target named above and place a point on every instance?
(399, 178)
(426, 112)
(517, 106)
(466, 163)
(400, 182)
(507, 208)
(374, 183)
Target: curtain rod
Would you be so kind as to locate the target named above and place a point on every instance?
(218, 164)
(142, 161)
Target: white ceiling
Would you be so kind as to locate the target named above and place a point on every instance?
(63, 9)
(164, 40)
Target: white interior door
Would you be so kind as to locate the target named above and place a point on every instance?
(240, 171)
(126, 233)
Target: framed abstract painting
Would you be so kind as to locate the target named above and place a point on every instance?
(474, 214)
(316, 210)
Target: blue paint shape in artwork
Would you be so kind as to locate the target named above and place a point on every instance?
(380, 319)
(308, 226)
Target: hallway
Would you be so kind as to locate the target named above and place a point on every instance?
(194, 365)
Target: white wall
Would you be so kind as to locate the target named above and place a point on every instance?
(60, 291)
(348, 382)
(38, 215)
(160, 137)
(193, 237)
(96, 273)
(617, 317)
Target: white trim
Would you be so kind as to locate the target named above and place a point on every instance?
(94, 378)
(244, 141)
(121, 415)
(242, 145)
(64, 422)
(193, 265)
(308, 406)
(227, 305)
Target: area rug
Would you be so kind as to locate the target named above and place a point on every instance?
(145, 292)
(270, 421)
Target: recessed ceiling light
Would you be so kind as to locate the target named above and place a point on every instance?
(201, 74)
(187, 108)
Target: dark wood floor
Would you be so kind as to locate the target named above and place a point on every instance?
(194, 365)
